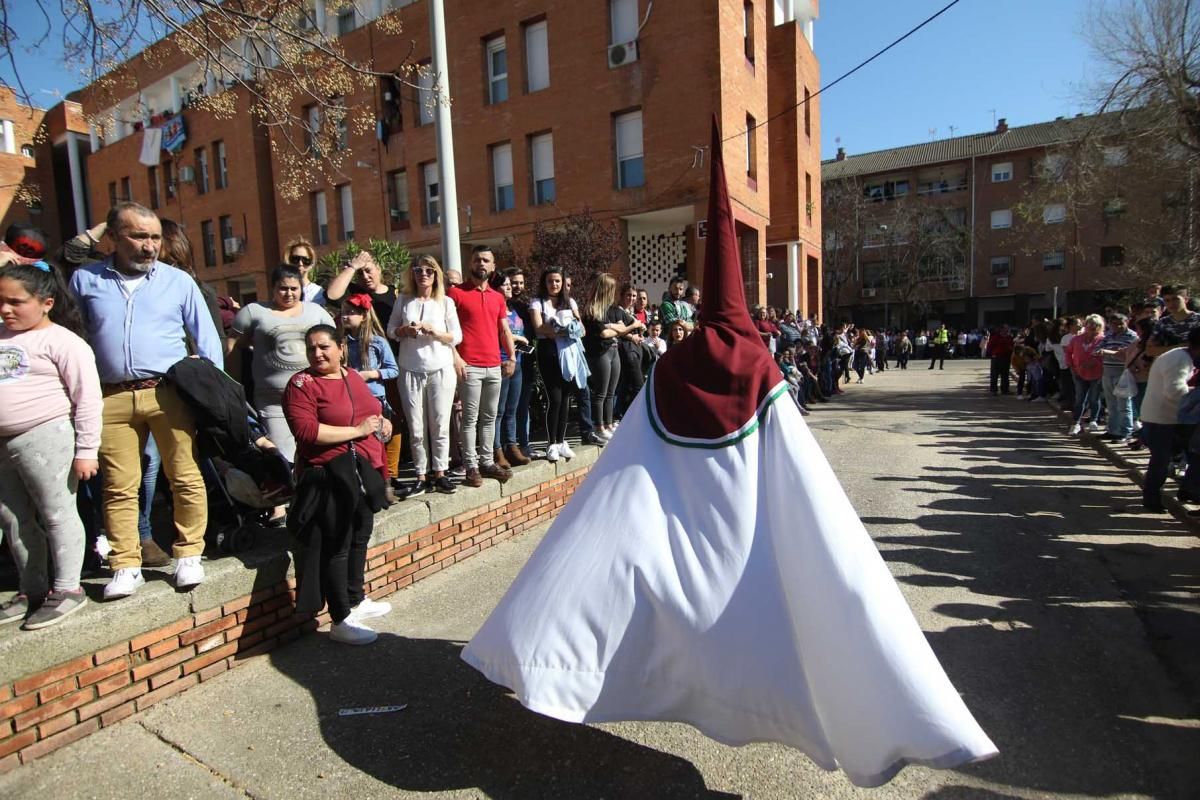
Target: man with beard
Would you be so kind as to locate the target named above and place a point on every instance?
(137, 311)
(483, 316)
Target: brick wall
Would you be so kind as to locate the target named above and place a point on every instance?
(42, 712)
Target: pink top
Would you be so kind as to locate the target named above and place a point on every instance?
(1082, 358)
(49, 374)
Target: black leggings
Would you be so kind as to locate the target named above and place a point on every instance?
(344, 574)
(558, 391)
(606, 372)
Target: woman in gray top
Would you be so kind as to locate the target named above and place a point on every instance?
(276, 332)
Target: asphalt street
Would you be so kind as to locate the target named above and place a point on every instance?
(1069, 622)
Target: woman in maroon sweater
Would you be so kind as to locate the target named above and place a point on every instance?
(333, 414)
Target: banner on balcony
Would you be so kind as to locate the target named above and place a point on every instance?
(173, 134)
(151, 144)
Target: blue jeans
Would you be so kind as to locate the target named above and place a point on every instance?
(1120, 409)
(1087, 398)
(151, 462)
(506, 409)
(528, 370)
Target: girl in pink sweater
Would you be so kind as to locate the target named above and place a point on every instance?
(50, 415)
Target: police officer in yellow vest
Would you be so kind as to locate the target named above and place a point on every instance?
(940, 340)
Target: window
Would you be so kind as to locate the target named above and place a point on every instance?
(1113, 256)
(425, 99)
(1055, 260)
(201, 170)
(169, 179)
(1054, 166)
(312, 129)
(542, 157)
(7, 142)
(126, 190)
(429, 172)
(398, 198)
(748, 30)
(808, 197)
(346, 206)
(751, 151)
(623, 16)
(807, 112)
(1054, 214)
(339, 111)
(27, 150)
(112, 194)
(1001, 219)
(497, 69)
(1002, 172)
(1114, 207)
(537, 57)
(1115, 156)
(502, 177)
(346, 20)
(1002, 265)
(222, 166)
(209, 242)
(630, 169)
(152, 179)
(320, 218)
(227, 250)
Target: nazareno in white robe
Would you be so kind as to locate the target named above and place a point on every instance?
(728, 584)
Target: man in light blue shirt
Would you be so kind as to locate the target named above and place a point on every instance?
(137, 312)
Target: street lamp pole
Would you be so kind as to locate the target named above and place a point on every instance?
(447, 183)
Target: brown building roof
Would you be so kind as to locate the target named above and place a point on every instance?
(1001, 140)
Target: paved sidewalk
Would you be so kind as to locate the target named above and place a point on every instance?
(1062, 622)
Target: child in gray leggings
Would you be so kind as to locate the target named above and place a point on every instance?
(49, 438)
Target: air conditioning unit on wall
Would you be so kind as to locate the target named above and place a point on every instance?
(621, 54)
(956, 286)
(1001, 283)
(869, 292)
(235, 245)
(187, 174)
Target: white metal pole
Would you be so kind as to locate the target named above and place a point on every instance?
(447, 185)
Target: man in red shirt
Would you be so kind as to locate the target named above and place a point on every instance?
(483, 316)
(1000, 350)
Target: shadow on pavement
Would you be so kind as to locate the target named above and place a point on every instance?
(1083, 603)
(460, 731)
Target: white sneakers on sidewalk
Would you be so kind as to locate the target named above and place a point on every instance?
(351, 630)
(188, 572)
(124, 583)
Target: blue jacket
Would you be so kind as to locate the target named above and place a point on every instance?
(571, 358)
(381, 358)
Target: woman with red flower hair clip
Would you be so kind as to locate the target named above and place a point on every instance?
(276, 331)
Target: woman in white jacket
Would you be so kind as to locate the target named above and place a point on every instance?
(425, 323)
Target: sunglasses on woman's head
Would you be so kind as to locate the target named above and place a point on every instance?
(423, 271)
(300, 261)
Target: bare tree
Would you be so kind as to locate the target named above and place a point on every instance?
(843, 215)
(927, 248)
(302, 83)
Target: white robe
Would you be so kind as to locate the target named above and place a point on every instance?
(733, 588)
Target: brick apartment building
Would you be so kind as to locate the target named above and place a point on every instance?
(1028, 246)
(557, 105)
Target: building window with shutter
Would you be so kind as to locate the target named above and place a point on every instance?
(222, 166)
(228, 246)
(537, 57)
(503, 196)
(398, 199)
(346, 207)
(209, 243)
(169, 179)
(429, 173)
(1054, 261)
(497, 69)
(628, 134)
(201, 170)
(1002, 219)
(623, 17)
(541, 149)
(320, 217)
(748, 31)
(152, 179)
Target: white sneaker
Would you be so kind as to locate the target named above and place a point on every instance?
(1075, 429)
(124, 583)
(1095, 427)
(369, 608)
(188, 571)
(552, 453)
(1137, 425)
(565, 451)
(605, 434)
(349, 631)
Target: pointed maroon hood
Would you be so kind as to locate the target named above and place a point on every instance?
(714, 383)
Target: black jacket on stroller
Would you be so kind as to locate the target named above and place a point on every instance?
(219, 405)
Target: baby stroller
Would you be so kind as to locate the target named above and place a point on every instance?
(246, 476)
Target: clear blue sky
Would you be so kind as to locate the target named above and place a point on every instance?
(1027, 59)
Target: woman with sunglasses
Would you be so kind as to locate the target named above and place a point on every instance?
(301, 255)
(425, 323)
(276, 330)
